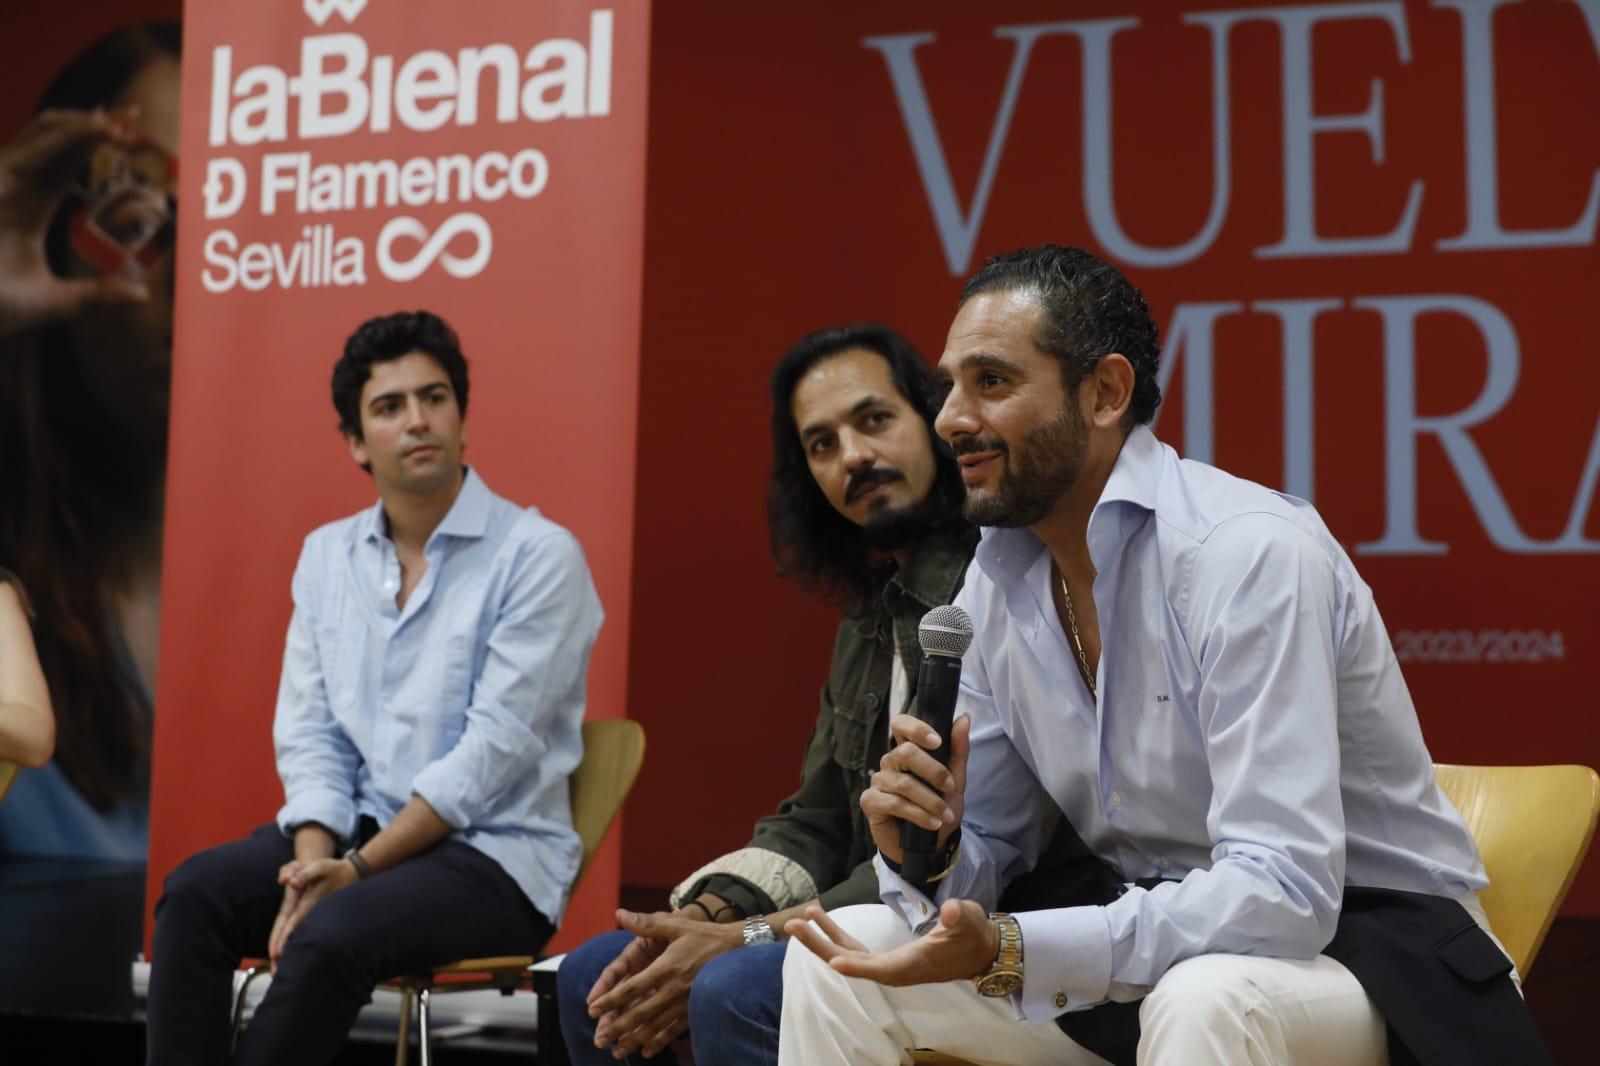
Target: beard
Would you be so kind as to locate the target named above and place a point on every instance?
(1044, 466)
(892, 528)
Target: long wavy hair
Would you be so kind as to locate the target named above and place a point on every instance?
(812, 542)
(77, 487)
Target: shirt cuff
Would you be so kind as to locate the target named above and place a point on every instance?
(328, 806)
(902, 897)
(1066, 961)
(446, 793)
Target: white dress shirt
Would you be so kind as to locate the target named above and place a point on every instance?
(1253, 740)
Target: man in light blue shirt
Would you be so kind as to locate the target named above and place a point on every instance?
(428, 718)
(1189, 669)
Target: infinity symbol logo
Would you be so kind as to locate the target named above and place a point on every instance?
(319, 10)
(434, 247)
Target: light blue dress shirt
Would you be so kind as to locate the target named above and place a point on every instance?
(1253, 738)
(471, 697)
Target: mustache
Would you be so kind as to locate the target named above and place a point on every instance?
(863, 480)
(973, 445)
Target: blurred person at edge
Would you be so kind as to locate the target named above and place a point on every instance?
(864, 506)
(85, 361)
(27, 728)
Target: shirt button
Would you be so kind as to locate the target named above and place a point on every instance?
(1114, 800)
(1061, 1000)
(871, 700)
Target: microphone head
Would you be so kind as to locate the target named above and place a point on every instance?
(945, 631)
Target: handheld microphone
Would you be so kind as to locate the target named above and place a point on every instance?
(945, 634)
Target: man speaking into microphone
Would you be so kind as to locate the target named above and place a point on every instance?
(1188, 667)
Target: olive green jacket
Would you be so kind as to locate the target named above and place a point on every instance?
(817, 844)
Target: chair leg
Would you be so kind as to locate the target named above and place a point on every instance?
(402, 1045)
(552, 1051)
(424, 1036)
(238, 1002)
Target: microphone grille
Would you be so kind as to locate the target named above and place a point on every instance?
(945, 631)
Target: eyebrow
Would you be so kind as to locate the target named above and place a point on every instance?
(396, 393)
(860, 405)
(979, 361)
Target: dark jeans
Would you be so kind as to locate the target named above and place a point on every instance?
(451, 902)
(733, 1006)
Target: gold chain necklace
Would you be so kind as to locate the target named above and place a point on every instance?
(1077, 642)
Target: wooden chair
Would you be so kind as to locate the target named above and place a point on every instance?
(613, 749)
(1532, 825)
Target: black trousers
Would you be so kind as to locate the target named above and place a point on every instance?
(450, 902)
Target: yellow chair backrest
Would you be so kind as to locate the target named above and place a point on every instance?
(613, 748)
(1532, 825)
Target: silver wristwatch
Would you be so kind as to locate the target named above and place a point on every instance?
(757, 931)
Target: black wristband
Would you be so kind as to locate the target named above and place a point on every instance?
(363, 870)
(946, 856)
(703, 908)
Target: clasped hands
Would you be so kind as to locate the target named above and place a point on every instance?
(306, 882)
(911, 786)
(641, 1000)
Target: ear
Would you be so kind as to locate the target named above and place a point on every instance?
(463, 436)
(1110, 390)
(358, 449)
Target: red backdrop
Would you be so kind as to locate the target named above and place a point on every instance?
(1432, 389)
(785, 193)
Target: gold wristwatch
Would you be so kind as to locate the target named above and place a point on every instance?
(1005, 976)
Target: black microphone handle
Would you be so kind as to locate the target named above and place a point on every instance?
(938, 679)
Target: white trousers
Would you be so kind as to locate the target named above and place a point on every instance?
(1227, 1010)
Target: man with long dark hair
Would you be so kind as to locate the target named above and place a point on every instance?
(427, 723)
(1188, 667)
(864, 507)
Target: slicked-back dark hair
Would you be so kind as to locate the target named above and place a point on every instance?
(389, 337)
(1090, 310)
(812, 542)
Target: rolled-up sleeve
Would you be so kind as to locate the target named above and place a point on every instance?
(316, 760)
(529, 692)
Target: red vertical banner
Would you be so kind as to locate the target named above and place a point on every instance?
(345, 158)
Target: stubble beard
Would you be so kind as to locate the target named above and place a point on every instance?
(1035, 475)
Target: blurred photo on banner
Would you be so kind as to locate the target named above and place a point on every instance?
(87, 215)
